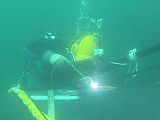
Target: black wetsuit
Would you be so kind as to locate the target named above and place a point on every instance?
(42, 75)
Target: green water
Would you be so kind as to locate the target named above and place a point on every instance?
(127, 24)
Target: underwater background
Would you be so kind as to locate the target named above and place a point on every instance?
(127, 24)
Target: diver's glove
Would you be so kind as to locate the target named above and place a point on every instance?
(85, 82)
(59, 59)
(55, 59)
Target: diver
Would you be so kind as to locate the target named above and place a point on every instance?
(48, 68)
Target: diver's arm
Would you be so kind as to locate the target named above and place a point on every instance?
(54, 58)
(41, 50)
(37, 114)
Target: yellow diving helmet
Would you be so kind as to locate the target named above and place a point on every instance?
(84, 47)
